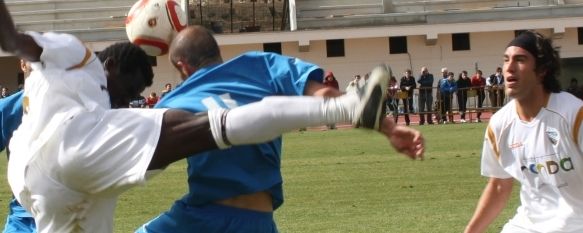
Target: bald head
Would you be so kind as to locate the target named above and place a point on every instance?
(196, 47)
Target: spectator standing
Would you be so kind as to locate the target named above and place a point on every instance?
(463, 85)
(392, 99)
(495, 84)
(425, 96)
(447, 87)
(353, 85)
(330, 81)
(439, 102)
(152, 100)
(167, 89)
(4, 93)
(138, 102)
(478, 84)
(408, 85)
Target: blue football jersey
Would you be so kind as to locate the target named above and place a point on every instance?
(221, 174)
(11, 117)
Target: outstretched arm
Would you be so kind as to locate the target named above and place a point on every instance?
(14, 42)
(182, 134)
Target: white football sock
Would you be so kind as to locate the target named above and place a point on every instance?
(269, 118)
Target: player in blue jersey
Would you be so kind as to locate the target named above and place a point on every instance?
(18, 220)
(73, 155)
(229, 192)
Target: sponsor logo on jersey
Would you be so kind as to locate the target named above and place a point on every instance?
(550, 167)
(553, 135)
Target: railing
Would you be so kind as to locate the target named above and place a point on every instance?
(492, 100)
(239, 15)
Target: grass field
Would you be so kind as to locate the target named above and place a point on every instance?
(349, 181)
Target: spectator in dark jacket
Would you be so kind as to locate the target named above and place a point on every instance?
(408, 84)
(463, 85)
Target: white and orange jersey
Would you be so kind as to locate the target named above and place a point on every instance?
(545, 156)
(72, 155)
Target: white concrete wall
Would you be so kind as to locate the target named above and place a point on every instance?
(361, 54)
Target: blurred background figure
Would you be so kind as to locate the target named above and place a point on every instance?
(478, 83)
(463, 85)
(167, 89)
(330, 81)
(138, 102)
(575, 89)
(353, 85)
(4, 93)
(152, 100)
(425, 96)
(392, 99)
(496, 88)
(447, 87)
(408, 85)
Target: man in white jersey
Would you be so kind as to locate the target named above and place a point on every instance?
(73, 155)
(534, 139)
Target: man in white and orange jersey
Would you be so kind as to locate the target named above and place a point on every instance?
(534, 139)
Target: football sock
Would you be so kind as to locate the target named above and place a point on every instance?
(269, 118)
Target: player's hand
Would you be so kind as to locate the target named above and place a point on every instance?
(404, 139)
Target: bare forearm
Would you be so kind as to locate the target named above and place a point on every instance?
(491, 203)
(182, 134)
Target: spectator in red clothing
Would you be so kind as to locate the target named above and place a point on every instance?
(330, 80)
(152, 100)
(478, 83)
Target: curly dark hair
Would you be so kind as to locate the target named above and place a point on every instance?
(134, 60)
(547, 60)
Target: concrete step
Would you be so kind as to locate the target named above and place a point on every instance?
(72, 24)
(339, 10)
(36, 5)
(52, 14)
(100, 34)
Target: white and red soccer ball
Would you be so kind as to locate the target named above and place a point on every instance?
(152, 24)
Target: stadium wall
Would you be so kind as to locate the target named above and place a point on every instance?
(361, 54)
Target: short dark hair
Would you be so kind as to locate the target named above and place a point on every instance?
(129, 59)
(197, 46)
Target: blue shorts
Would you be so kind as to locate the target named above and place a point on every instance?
(18, 220)
(210, 218)
(16, 224)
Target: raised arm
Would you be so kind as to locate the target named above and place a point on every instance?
(12, 41)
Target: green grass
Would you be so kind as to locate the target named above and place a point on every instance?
(349, 181)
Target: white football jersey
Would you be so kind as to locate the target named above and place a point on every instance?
(73, 155)
(545, 156)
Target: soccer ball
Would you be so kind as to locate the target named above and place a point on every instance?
(151, 24)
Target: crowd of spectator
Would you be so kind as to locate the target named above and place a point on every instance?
(438, 101)
(151, 100)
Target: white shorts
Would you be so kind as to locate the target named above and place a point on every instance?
(72, 184)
